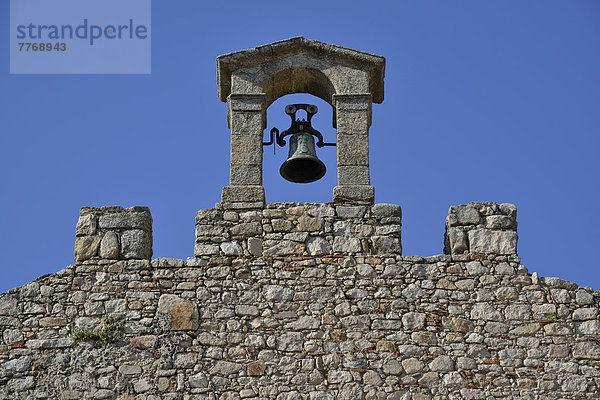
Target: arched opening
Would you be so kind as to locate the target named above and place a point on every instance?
(277, 188)
(298, 80)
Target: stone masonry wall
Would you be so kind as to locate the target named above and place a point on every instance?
(302, 302)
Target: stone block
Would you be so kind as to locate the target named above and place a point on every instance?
(246, 149)
(386, 245)
(352, 149)
(347, 244)
(8, 305)
(486, 312)
(321, 211)
(136, 243)
(582, 314)
(441, 363)
(86, 225)
(353, 175)
(203, 249)
(255, 246)
(245, 174)
(86, 247)
(231, 248)
(350, 211)
(352, 102)
(317, 246)
(127, 220)
(283, 248)
(458, 240)
(458, 324)
(246, 123)
(484, 241)
(109, 246)
(354, 194)
(183, 313)
(413, 320)
(243, 194)
(500, 222)
(509, 209)
(246, 102)
(463, 215)
(386, 210)
(586, 350)
(198, 380)
(225, 368)
(309, 224)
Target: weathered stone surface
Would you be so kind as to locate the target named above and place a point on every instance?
(305, 325)
(255, 246)
(202, 249)
(317, 246)
(392, 367)
(386, 245)
(8, 305)
(458, 324)
(20, 364)
(386, 210)
(413, 320)
(126, 220)
(130, 369)
(182, 312)
(198, 380)
(86, 226)
(557, 328)
(463, 215)
(277, 293)
(231, 248)
(458, 240)
(486, 312)
(109, 246)
(475, 268)
(256, 368)
(225, 368)
(346, 244)
(586, 350)
(143, 342)
(86, 247)
(483, 241)
(582, 314)
(441, 363)
(136, 243)
(283, 248)
(412, 365)
(500, 222)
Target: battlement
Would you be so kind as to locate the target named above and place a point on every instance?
(293, 229)
(293, 301)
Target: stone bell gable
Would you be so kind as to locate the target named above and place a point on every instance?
(292, 301)
(349, 80)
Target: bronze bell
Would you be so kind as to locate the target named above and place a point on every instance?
(302, 164)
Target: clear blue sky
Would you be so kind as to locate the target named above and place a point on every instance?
(484, 101)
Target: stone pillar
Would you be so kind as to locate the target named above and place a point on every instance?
(352, 120)
(113, 233)
(481, 228)
(246, 118)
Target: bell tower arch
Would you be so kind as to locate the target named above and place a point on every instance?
(250, 80)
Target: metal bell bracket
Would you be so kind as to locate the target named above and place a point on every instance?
(298, 126)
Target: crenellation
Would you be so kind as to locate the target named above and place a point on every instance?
(481, 228)
(113, 233)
